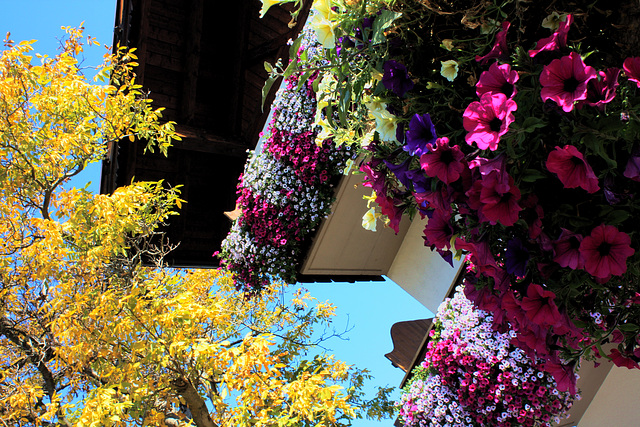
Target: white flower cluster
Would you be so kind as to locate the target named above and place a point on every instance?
(434, 405)
(475, 329)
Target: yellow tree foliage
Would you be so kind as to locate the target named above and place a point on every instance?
(94, 331)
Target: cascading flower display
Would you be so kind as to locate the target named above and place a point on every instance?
(284, 192)
(536, 186)
(473, 376)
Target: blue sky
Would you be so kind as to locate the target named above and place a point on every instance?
(368, 308)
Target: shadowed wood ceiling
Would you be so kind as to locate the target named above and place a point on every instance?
(203, 62)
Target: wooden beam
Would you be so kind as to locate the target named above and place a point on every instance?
(141, 42)
(191, 60)
(199, 140)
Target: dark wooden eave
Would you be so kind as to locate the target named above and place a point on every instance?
(202, 62)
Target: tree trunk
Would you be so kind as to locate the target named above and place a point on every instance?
(194, 401)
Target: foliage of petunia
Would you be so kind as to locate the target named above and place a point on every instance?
(284, 192)
(473, 375)
(513, 128)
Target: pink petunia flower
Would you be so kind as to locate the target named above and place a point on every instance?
(500, 202)
(498, 79)
(566, 250)
(488, 119)
(564, 81)
(602, 89)
(500, 50)
(572, 169)
(443, 162)
(438, 231)
(606, 251)
(557, 40)
(631, 67)
(619, 360)
(539, 306)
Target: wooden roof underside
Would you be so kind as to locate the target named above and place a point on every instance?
(203, 62)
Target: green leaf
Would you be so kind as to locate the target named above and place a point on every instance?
(628, 327)
(265, 90)
(531, 175)
(617, 217)
(268, 68)
(382, 22)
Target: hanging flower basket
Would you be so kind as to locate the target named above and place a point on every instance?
(473, 376)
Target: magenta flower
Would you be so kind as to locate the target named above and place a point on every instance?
(631, 67)
(488, 119)
(438, 231)
(443, 162)
(619, 360)
(500, 50)
(566, 250)
(606, 251)
(602, 89)
(557, 40)
(564, 80)
(498, 79)
(572, 169)
(500, 202)
(539, 306)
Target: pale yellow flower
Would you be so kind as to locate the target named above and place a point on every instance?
(552, 21)
(324, 31)
(449, 69)
(447, 44)
(386, 125)
(323, 7)
(369, 220)
(266, 4)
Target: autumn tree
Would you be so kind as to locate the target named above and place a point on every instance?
(90, 335)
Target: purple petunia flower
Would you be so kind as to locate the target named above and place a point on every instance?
(605, 251)
(632, 171)
(516, 257)
(422, 133)
(564, 80)
(396, 78)
(488, 119)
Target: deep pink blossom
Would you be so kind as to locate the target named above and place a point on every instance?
(566, 250)
(438, 232)
(500, 202)
(558, 40)
(500, 78)
(540, 307)
(564, 80)
(443, 162)
(572, 169)
(602, 89)
(619, 360)
(606, 251)
(631, 67)
(488, 119)
(500, 50)
(563, 374)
